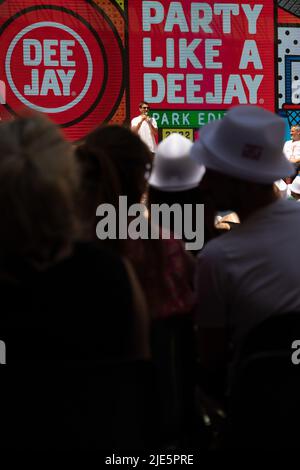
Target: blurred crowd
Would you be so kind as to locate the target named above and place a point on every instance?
(143, 339)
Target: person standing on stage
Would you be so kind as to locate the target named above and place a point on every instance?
(145, 126)
(291, 148)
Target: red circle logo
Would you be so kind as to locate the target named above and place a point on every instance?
(64, 64)
(49, 73)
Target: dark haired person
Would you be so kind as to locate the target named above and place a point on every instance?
(113, 163)
(145, 126)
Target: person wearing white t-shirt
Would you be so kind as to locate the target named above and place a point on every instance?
(145, 126)
(252, 272)
(291, 148)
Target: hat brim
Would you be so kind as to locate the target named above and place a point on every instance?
(166, 185)
(211, 160)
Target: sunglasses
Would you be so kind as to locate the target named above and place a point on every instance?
(145, 107)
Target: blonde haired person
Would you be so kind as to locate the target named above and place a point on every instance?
(38, 178)
(61, 300)
(38, 183)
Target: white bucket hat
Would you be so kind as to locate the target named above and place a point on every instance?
(173, 168)
(247, 144)
(295, 185)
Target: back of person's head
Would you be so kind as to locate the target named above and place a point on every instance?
(115, 160)
(38, 179)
